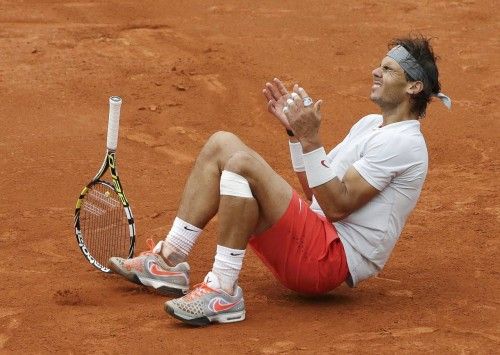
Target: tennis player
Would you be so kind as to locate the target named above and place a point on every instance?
(358, 196)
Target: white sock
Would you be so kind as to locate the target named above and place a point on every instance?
(182, 236)
(227, 266)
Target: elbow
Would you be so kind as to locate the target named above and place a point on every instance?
(335, 216)
(338, 212)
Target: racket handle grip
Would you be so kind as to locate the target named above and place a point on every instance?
(115, 103)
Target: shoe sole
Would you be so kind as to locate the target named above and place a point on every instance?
(203, 321)
(163, 289)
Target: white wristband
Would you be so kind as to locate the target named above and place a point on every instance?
(296, 155)
(317, 170)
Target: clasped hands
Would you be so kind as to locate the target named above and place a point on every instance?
(296, 110)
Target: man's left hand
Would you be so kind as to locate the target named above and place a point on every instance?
(304, 117)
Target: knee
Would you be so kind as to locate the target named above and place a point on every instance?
(241, 163)
(217, 142)
(221, 138)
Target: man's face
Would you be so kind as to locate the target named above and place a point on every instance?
(389, 84)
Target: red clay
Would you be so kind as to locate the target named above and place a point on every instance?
(188, 70)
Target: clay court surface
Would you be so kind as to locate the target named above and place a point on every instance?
(186, 69)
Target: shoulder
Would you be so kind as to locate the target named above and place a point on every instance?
(366, 122)
(405, 141)
(405, 134)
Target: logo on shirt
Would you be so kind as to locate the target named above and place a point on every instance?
(323, 162)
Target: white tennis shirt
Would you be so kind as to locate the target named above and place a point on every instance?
(394, 160)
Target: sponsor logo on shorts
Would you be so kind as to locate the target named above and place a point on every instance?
(323, 162)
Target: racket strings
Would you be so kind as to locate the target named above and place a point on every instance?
(104, 224)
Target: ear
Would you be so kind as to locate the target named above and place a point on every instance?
(414, 87)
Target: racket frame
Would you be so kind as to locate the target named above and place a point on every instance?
(109, 163)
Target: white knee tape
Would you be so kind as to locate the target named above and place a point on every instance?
(234, 185)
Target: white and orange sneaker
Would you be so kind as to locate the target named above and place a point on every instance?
(149, 269)
(208, 303)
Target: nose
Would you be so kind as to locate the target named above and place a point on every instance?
(377, 72)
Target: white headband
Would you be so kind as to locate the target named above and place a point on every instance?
(410, 65)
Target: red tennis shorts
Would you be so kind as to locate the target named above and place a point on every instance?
(303, 250)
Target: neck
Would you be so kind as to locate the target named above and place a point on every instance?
(397, 113)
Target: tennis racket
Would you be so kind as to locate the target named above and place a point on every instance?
(104, 224)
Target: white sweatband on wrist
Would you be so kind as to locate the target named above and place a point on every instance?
(233, 184)
(317, 170)
(296, 155)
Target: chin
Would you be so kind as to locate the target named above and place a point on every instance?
(376, 100)
(374, 94)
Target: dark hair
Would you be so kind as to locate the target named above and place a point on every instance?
(420, 48)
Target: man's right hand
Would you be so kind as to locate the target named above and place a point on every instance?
(276, 95)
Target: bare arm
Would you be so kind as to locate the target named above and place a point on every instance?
(276, 95)
(305, 186)
(336, 198)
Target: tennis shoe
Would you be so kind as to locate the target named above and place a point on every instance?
(149, 269)
(208, 303)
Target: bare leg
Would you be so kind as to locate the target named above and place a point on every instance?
(200, 199)
(201, 196)
(239, 217)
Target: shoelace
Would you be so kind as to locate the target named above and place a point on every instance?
(150, 243)
(198, 291)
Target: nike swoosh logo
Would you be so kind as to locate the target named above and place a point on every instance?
(234, 254)
(220, 305)
(157, 271)
(323, 162)
(189, 229)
